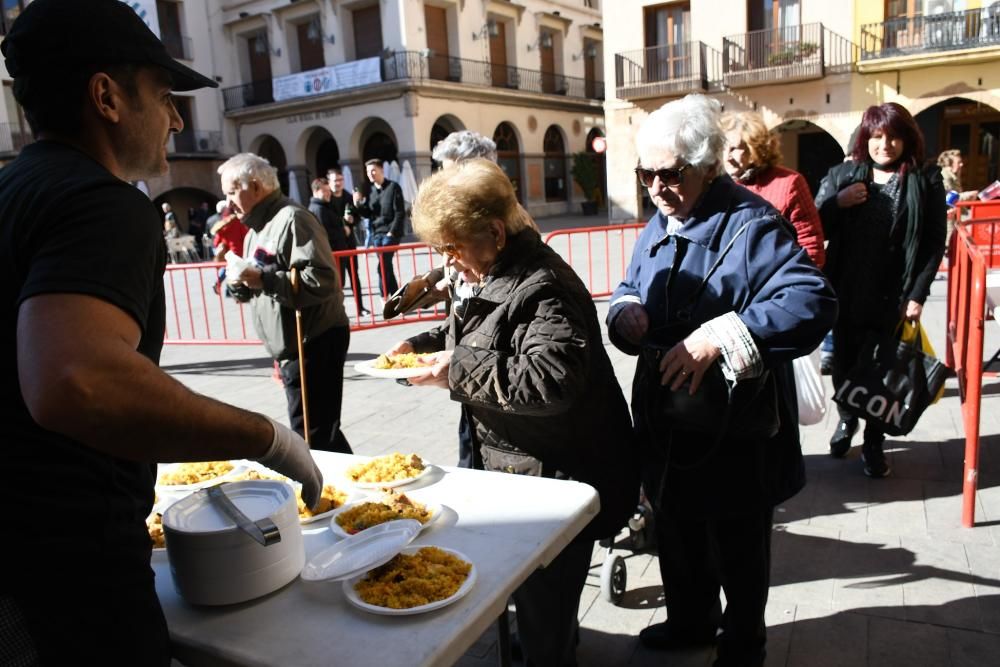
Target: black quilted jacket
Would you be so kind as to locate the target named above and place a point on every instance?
(531, 368)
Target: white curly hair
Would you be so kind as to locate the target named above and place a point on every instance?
(688, 128)
(244, 168)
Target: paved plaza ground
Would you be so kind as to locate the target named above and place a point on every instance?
(865, 572)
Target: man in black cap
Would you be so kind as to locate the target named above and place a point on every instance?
(86, 410)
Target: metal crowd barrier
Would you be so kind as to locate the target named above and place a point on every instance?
(966, 318)
(581, 246)
(198, 314)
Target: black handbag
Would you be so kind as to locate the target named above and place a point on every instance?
(747, 409)
(892, 383)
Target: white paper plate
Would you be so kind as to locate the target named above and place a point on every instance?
(337, 530)
(239, 467)
(355, 599)
(388, 485)
(368, 368)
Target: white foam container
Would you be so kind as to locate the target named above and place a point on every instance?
(213, 562)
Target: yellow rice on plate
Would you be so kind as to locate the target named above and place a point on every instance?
(409, 581)
(404, 360)
(371, 513)
(389, 468)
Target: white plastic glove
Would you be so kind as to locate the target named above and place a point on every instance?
(289, 454)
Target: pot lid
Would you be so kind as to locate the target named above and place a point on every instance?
(362, 551)
(257, 499)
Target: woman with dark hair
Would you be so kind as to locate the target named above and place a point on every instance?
(884, 217)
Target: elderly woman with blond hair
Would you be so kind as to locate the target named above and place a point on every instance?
(717, 300)
(525, 358)
(751, 159)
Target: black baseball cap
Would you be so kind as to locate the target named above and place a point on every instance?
(50, 35)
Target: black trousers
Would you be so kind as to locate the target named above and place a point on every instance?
(547, 606)
(469, 455)
(324, 361)
(848, 342)
(697, 558)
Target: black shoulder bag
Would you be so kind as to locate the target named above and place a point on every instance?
(747, 409)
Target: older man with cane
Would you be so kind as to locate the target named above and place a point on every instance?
(296, 299)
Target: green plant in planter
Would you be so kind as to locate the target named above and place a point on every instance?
(807, 49)
(585, 174)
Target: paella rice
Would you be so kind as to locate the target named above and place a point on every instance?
(389, 468)
(371, 513)
(408, 581)
(195, 472)
(404, 360)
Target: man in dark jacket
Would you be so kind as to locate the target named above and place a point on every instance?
(284, 237)
(387, 212)
(84, 404)
(342, 206)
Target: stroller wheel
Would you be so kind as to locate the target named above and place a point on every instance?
(614, 576)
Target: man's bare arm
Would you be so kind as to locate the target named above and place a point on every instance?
(81, 376)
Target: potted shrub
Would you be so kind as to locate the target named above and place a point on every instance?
(586, 176)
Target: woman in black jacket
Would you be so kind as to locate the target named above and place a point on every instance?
(524, 356)
(884, 217)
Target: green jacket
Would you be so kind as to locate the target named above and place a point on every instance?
(283, 235)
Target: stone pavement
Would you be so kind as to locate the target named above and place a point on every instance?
(865, 572)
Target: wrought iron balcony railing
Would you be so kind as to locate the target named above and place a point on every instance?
(674, 69)
(791, 53)
(428, 66)
(938, 32)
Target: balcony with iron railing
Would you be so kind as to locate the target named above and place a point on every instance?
(14, 137)
(971, 29)
(423, 66)
(668, 70)
(791, 53)
(196, 142)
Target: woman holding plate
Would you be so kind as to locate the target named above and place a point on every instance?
(524, 356)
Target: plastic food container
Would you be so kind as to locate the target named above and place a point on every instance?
(214, 562)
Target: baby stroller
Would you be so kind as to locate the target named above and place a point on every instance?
(641, 537)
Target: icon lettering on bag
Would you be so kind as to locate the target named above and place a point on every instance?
(877, 406)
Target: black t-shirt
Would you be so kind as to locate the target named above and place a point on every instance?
(57, 496)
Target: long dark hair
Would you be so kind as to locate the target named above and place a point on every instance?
(892, 119)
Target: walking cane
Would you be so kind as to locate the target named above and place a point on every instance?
(302, 357)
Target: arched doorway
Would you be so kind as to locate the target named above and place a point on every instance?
(442, 127)
(600, 161)
(327, 156)
(271, 150)
(809, 150)
(555, 164)
(969, 126)
(509, 155)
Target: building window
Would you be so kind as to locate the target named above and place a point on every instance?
(555, 164)
(367, 31)
(171, 34)
(310, 38)
(509, 155)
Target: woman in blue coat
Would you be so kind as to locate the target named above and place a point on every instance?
(720, 294)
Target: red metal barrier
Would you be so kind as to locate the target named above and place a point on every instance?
(966, 318)
(579, 247)
(198, 315)
(986, 237)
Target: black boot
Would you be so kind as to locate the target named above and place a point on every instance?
(874, 458)
(840, 443)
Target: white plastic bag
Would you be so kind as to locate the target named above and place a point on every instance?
(809, 388)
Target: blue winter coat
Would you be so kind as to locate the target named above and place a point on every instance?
(785, 302)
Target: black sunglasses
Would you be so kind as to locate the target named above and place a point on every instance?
(669, 177)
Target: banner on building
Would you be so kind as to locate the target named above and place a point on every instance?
(327, 79)
(146, 9)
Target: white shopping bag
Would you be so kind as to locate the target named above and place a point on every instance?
(809, 389)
